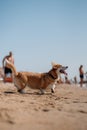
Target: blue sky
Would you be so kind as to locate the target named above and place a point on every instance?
(41, 31)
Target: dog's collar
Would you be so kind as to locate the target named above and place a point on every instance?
(52, 76)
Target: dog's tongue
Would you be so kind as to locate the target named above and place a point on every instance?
(63, 71)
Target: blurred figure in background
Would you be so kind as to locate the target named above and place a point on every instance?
(67, 81)
(81, 75)
(4, 64)
(75, 80)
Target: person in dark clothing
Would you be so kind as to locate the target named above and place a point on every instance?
(81, 75)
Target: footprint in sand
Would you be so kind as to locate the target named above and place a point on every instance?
(82, 111)
(45, 110)
(5, 117)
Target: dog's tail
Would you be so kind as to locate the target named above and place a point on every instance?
(12, 67)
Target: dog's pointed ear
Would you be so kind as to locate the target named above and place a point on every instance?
(53, 64)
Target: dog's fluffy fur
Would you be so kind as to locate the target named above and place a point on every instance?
(36, 80)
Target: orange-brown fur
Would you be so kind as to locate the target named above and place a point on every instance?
(34, 80)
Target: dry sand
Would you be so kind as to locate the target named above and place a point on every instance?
(66, 109)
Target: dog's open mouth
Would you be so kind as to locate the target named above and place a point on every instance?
(62, 70)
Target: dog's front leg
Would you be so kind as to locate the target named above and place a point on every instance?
(53, 88)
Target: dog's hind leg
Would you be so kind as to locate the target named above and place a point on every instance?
(42, 91)
(22, 91)
(20, 87)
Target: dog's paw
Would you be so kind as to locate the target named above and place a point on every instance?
(42, 91)
(52, 90)
(22, 91)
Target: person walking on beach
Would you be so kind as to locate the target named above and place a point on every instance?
(75, 80)
(4, 64)
(81, 74)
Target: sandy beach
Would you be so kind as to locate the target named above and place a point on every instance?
(66, 109)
